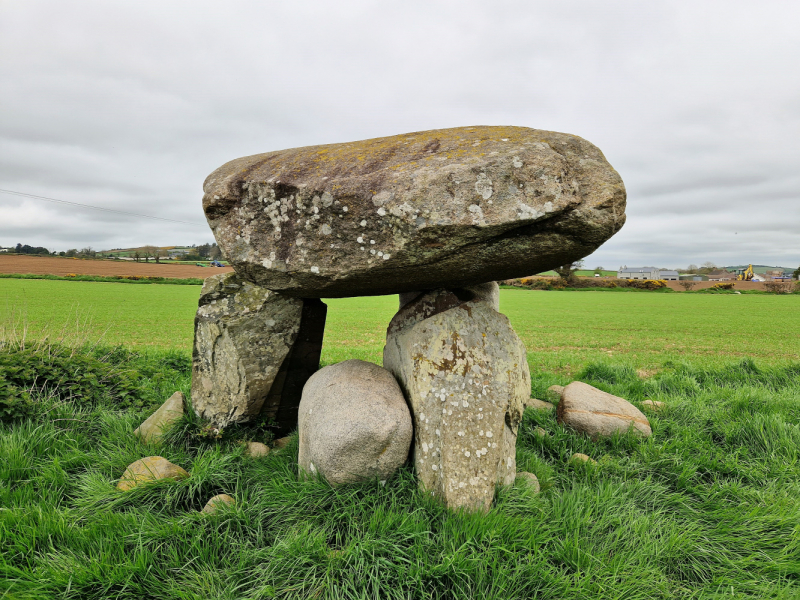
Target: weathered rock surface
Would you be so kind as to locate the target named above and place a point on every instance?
(465, 375)
(168, 413)
(217, 503)
(537, 404)
(253, 351)
(597, 413)
(256, 450)
(445, 208)
(354, 423)
(555, 391)
(530, 481)
(147, 470)
(484, 292)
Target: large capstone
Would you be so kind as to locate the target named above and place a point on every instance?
(445, 208)
(465, 375)
(254, 349)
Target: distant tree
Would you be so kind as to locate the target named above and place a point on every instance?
(148, 252)
(567, 272)
(62, 253)
(72, 252)
(691, 268)
(136, 255)
(599, 270)
(88, 252)
(26, 249)
(796, 273)
(707, 267)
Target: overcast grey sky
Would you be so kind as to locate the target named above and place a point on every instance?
(129, 105)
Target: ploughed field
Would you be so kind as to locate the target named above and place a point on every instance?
(54, 265)
(708, 507)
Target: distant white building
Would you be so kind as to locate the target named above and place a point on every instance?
(638, 273)
(646, 273)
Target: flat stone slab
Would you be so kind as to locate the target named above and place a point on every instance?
(444, 208)
(599, 414)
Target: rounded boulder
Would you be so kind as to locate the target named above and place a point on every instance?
(354, 424)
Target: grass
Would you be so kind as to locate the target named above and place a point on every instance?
(562, 331)
(708, 507)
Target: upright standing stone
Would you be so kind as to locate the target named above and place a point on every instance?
(244, 361)
(465, 375)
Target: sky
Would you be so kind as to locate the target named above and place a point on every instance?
(130, 105)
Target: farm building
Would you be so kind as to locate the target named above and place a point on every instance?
(646, 273)
(722, 275)
(637, 273)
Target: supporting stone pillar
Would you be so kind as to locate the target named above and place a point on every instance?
(465, 375)
(252, 347)
(302, 362)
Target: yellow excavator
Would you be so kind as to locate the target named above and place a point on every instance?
(745, 274)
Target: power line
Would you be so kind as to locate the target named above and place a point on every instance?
(111, 210)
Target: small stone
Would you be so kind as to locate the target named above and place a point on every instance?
(555, 391)
(579, 458)
(539, 432)
(538, 404)
(599, 414)
(256, 450)
(281, 443)
(653, 404)
(354, 424)
(147, 470)
(152, 430)
(529, 480)
(216, 503)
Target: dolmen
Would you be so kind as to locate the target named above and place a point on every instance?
(436, 217)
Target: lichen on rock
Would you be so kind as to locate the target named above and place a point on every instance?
(444, 208)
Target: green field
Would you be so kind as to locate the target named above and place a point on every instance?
(563, 331)
(708, 507)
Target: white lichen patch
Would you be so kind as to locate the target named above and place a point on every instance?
(483, 186)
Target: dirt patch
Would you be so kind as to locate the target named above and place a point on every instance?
(56, 265)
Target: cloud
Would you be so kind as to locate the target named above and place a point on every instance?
(131, 105)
